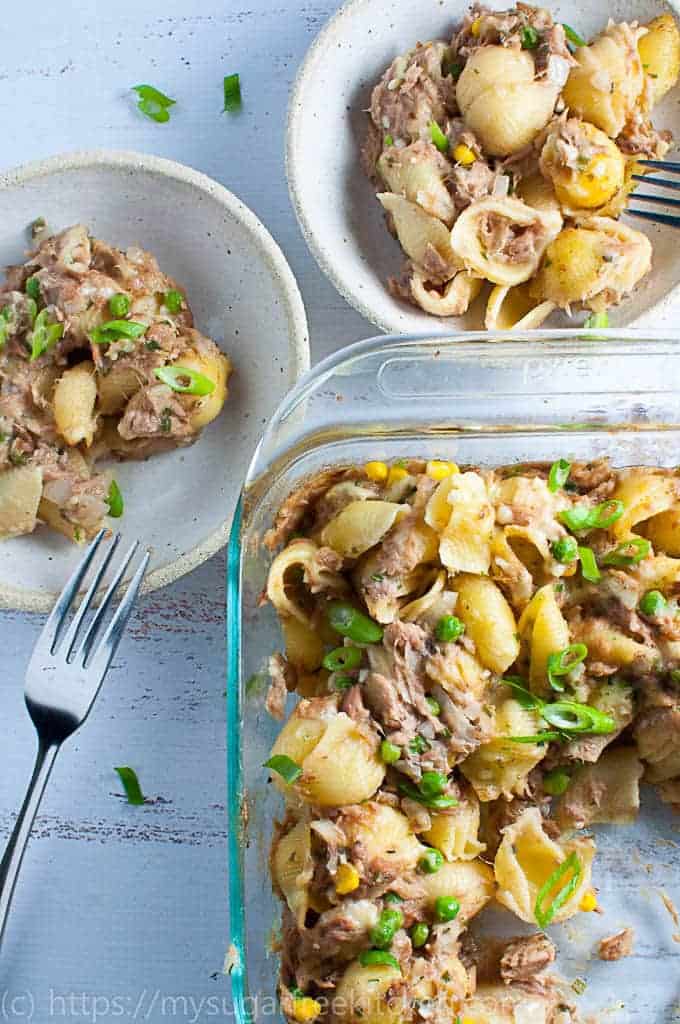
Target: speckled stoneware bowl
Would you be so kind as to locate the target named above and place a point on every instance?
(335, 204)
(243, 294)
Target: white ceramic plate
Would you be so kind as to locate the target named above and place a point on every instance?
(243, 294)
(335, 204)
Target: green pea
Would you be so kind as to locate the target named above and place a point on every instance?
(392, 897)
(388, 924)
(432, 783)
(446, 908)
(420, 933)
(119, 305)
(389, 752)
(449, 628)
(653, 603)
(32, 288)
(348, 621)
(431, 861)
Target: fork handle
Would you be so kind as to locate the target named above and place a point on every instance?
(16, 847)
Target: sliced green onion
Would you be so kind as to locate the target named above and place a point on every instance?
(565, 550)
(153, 103)
(173, 301)
(571, 717)
(574, 38)
(434, 706)
(558, 475)
(5, 324)
(431, 861)
(388, 141)
(433, 803)
(184, 380)
(119, 305)
(446, 908)
(418, 745)
(455, 69)
(653, 603)
(32, 288)
(114, 330)
(420, 933)
(581, 517)
(31, 309)
(377, 958)
(561, 663)
(342, 659)
(232, 94)
(538, 737)
(385, 928)
(589, 568)
(521, 694)
(556, 782)
(390, 753)
(449, 628)
(284, 766)
(630, 552)
(114, 500)
(438, 138)
(44, 335)
(343, 682)
(529, 37)
(346, 620)
(392, 897)
(432, 783)
(133, 790)
(545, 914)
(597, 320)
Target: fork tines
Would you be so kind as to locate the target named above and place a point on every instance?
(658, 216)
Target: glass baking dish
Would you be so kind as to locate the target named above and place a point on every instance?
(538, 396)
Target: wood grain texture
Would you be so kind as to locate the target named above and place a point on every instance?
(128, 904)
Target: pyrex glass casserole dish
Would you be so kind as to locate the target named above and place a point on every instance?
(542, 396)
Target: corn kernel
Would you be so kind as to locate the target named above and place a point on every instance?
(467, 1020)
(376, 471)
(306, 1009)
(437, 470)
(476, 26)
(346, 879)
(397, 473)
(462, 154)
(589, 901)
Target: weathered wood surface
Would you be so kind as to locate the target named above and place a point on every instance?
(121, 911)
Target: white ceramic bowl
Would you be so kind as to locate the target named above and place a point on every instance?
(243, 294)
(335, 204)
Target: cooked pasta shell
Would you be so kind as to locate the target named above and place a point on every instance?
(20, 490)
(544, 630)
(586, 167)
(460, 510)
(417, 172)
(659, 50)
(527, 858)
(501, 767)
(369, 995)
(360, 526)
(471, 882)
(454, 300)
(489, 621)
(605, 86)
(75, 395)
(293, 867)
(514, 308)
(501, 100)
(455, 834)
(424, 239)
(501, 240)
(644, 495)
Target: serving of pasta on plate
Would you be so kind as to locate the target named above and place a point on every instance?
(487, 663)
(504, 157)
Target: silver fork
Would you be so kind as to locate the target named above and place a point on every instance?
(670, 201)
(63, 679)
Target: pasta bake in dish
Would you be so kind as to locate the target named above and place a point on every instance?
(505, 156)
(99, 357)
(487, 663)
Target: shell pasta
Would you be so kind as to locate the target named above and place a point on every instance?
(486, 662)
(508, 152)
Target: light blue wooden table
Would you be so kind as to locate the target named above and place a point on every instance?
(121, 911)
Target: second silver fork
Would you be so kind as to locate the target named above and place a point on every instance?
(64, 676)
(658, 216)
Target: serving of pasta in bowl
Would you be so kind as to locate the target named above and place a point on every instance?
(453, 665)
(137, 349)
(482, 161)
